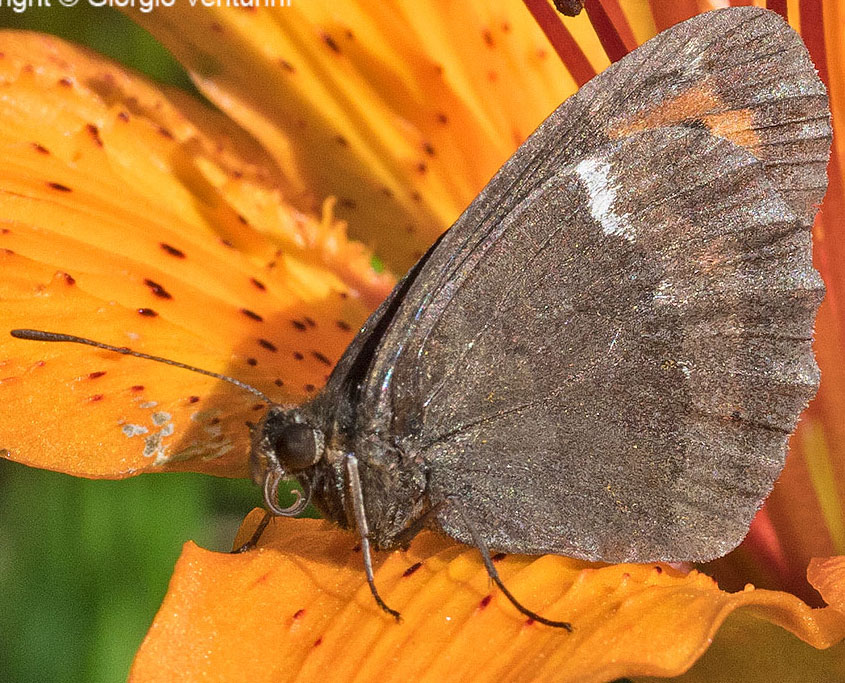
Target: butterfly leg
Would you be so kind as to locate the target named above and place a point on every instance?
(351, 463)
(253, 540)
(404, 537)
(494, 574)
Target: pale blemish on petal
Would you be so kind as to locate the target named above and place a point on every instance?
(152, 446)
(596, 175)
(131, 430)
(146, 405)
(160, 418)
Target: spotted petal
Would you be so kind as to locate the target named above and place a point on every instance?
(141, 218)
(299, 606)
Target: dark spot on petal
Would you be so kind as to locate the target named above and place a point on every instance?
(309, 388)
(299, 614)
(416, 196)
(251, 361)
(498, 556)
(214, 421)
(94, 132)
(343, 325)
(343, 295)
(243, 219)
(173, 251)
(387, 192)
(137, 387)
(216, 27)
(318, 641)
(258, 284)
(422, 167)
(298, 355)
(320, 357)
(346, 203)
(259, 406)
(193, 399)
(356, 548)
(40, 148)
(123, 116)
(428, 149)
(95, 398)
(164, 132)
(95, 375)
(298, 325)
(279, 383)
(542, 54)
(309, 321)
(438, 69)
(147, 312)
(410, 570)
(253, 315)
(528, 622)
(59, 187)
(227, 243)
(488, 37)
(68, 279)
(506, 27)
(287, 66)
(4, 231)
(270, 346)
(157, 289)
(66, 82)
(348, 33)
(485, 601)
(342, 141)
(658, 569)
(330, 42)
(442, 118)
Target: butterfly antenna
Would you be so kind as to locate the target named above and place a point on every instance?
(38, 335)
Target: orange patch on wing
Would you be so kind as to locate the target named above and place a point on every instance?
(735, 126)
(695, 104)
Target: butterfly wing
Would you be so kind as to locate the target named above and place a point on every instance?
(605, 355)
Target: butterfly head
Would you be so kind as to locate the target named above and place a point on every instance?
(284, 444)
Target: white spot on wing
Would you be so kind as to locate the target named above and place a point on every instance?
(601, 190)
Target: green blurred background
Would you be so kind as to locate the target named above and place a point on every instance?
(85, 564)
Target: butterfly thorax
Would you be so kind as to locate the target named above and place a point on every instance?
(385, 470)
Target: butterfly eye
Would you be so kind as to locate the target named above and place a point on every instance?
(298, 447)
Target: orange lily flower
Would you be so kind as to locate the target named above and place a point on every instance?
(251, 242)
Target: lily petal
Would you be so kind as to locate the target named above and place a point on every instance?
(299, 606)
(397, 109)
(143, 219)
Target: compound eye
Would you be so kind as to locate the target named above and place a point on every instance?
(296, 448)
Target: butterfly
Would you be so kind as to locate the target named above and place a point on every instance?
(604, 357)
